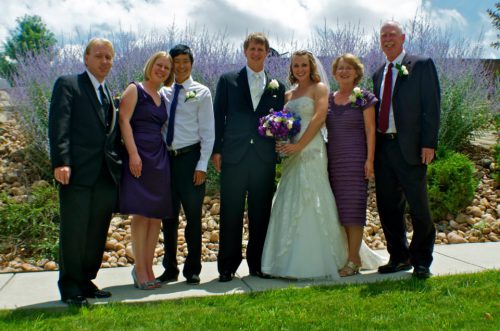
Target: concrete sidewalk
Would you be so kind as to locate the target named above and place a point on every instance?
(39, 289)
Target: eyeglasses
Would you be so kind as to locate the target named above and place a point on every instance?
(345, 68)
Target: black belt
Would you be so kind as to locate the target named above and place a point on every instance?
(184, 150)
(387, 136)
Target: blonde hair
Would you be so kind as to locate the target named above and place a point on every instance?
(352, 60)
(148, 67)
(314, 74)
(258, 38)
(94, 41)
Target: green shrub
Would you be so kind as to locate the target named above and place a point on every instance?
(450, 183)
(496, 156)
(465, 111)
(31, 226)
(213, 180)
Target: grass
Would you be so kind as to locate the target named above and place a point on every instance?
(459, 302)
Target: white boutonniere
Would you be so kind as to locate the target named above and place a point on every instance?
(402, 70)
(190, 95)
(273, 85)
(356, 98)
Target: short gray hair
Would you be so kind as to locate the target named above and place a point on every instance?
(396, 24)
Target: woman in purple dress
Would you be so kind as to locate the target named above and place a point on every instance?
(351, 147)
(145, 186)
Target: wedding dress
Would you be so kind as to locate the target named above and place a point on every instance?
(305, 238)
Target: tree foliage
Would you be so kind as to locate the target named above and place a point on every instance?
(495, 20)
(31, 36)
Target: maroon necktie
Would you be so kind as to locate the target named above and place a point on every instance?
(383, 116)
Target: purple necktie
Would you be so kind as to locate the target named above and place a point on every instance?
(171, 119)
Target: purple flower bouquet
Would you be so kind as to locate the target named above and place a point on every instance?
(281, 125)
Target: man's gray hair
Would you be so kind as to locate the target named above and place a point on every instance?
(396, 24)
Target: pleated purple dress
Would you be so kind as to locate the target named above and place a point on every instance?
(346, 159)
(149, 195)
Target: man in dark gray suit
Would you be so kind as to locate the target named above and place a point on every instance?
(407, 133)
(245, 159)
(84, 140)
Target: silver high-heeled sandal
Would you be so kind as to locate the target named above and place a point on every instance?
(142, 286)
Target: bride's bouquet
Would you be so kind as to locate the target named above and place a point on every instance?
(281, 125)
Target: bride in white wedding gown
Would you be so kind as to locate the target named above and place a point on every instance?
(304, 238)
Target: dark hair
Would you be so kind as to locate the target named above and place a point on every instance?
(181, 49)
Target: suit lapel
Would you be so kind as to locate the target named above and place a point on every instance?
(115, 113)
(242, 80)
(406, 62)
(89, 90)
(378, 81)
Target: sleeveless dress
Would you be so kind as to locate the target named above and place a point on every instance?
(305, 239)
(346, 158)
(150, 194)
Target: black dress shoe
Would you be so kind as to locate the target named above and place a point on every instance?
(168, 277)
(259, 274)
(76, 301)
(394, 266)
(421, 272)
(226, 277)
(193, 279)
(97, 294)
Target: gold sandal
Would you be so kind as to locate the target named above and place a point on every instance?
(350, 269)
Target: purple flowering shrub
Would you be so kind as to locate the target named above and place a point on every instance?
(467, 89)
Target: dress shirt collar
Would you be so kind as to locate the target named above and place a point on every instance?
(95, 82)
(250, 73)
(397, 60)
(186, 84)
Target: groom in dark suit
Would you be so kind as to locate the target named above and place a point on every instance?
(84, 142)
(245, 160)
(407, 134)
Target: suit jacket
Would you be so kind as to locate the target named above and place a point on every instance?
(416, 105)
(77, 131)
(236, 122)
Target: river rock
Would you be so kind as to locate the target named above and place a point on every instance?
(454, 238)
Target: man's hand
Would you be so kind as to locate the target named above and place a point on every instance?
(199, 177)
(427, 155)
(216, 160)
(62, 174)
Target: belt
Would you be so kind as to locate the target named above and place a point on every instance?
(387, 136)
(184, 150)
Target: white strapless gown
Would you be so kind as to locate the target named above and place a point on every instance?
(305, 238)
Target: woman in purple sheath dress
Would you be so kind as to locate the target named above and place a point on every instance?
(145, 186)
(351, 147)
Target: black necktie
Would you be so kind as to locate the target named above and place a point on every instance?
(105, 104)
(171, 119)
(383, 116)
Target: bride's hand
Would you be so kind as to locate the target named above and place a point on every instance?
(288, 149)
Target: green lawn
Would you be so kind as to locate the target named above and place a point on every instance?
(461, 302)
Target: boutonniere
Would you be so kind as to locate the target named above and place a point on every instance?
(190, 95)
(356, 98)
(402, 70)
(273, 85)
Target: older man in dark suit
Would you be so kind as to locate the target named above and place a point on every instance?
(408, 125)
(246, 160)
(84, 152)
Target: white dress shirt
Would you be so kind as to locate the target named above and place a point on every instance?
(392, 124)
(96, 85)
(194, 119)
(257, 83)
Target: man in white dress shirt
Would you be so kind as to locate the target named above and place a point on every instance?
(190, 134)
